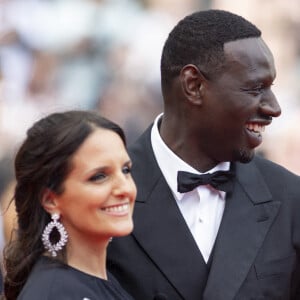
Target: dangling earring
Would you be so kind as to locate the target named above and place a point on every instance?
(53, 248)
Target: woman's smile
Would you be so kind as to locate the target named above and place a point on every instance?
(118, 209)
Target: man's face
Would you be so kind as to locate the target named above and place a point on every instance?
(239, 103)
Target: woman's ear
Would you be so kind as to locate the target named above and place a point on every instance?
(49, 201)
(193, 82)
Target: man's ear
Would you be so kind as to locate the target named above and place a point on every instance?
(193, 82)
(49, 201)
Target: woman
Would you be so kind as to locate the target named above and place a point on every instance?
(74, 192)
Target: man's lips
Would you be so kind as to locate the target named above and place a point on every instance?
(255, 130)
(255, 127)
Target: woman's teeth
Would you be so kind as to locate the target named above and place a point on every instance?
(119, 208)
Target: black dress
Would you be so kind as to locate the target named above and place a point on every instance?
(52, 280)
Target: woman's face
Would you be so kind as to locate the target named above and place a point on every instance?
(99, 192)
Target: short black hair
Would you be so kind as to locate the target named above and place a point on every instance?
(199, 39)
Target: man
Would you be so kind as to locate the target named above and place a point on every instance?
(241, 239)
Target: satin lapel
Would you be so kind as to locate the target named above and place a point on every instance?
(160, 228)
(163, 234)
(247, 218)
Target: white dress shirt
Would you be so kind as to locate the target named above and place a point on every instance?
(203, 207)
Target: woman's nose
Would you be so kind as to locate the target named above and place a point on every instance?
(125, 186)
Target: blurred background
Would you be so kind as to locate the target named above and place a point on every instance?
(105, 55)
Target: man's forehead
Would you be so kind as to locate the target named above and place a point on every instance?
(245, 48)
(248, 52)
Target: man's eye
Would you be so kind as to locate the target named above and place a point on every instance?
(258, 89)
(261, 88)
(96, 177)
(254, 91)
(126, 170)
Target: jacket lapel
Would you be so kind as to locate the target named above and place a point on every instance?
(248, 215)
(161, 230)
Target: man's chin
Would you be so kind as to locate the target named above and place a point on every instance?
(244, 156)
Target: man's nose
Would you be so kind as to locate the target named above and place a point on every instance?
(270, 106)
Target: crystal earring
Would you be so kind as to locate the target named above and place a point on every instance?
(48, 245)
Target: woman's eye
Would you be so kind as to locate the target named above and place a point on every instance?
(126, 170)
(96, 177)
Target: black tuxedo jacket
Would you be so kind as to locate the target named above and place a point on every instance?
(256, 254)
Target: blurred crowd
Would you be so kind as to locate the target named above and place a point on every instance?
(105, 54)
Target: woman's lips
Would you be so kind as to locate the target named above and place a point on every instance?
(119, 209)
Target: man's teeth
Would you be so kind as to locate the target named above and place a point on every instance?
(119, 208)
(255, 127)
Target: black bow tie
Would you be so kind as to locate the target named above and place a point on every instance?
(220, 180)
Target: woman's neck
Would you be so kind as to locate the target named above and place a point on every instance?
(90, 259)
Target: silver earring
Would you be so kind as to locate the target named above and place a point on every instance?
(53, 248)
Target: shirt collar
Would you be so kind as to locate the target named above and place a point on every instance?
(170, 163)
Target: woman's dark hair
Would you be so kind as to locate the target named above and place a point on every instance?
(43, 161)
(199, 39)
